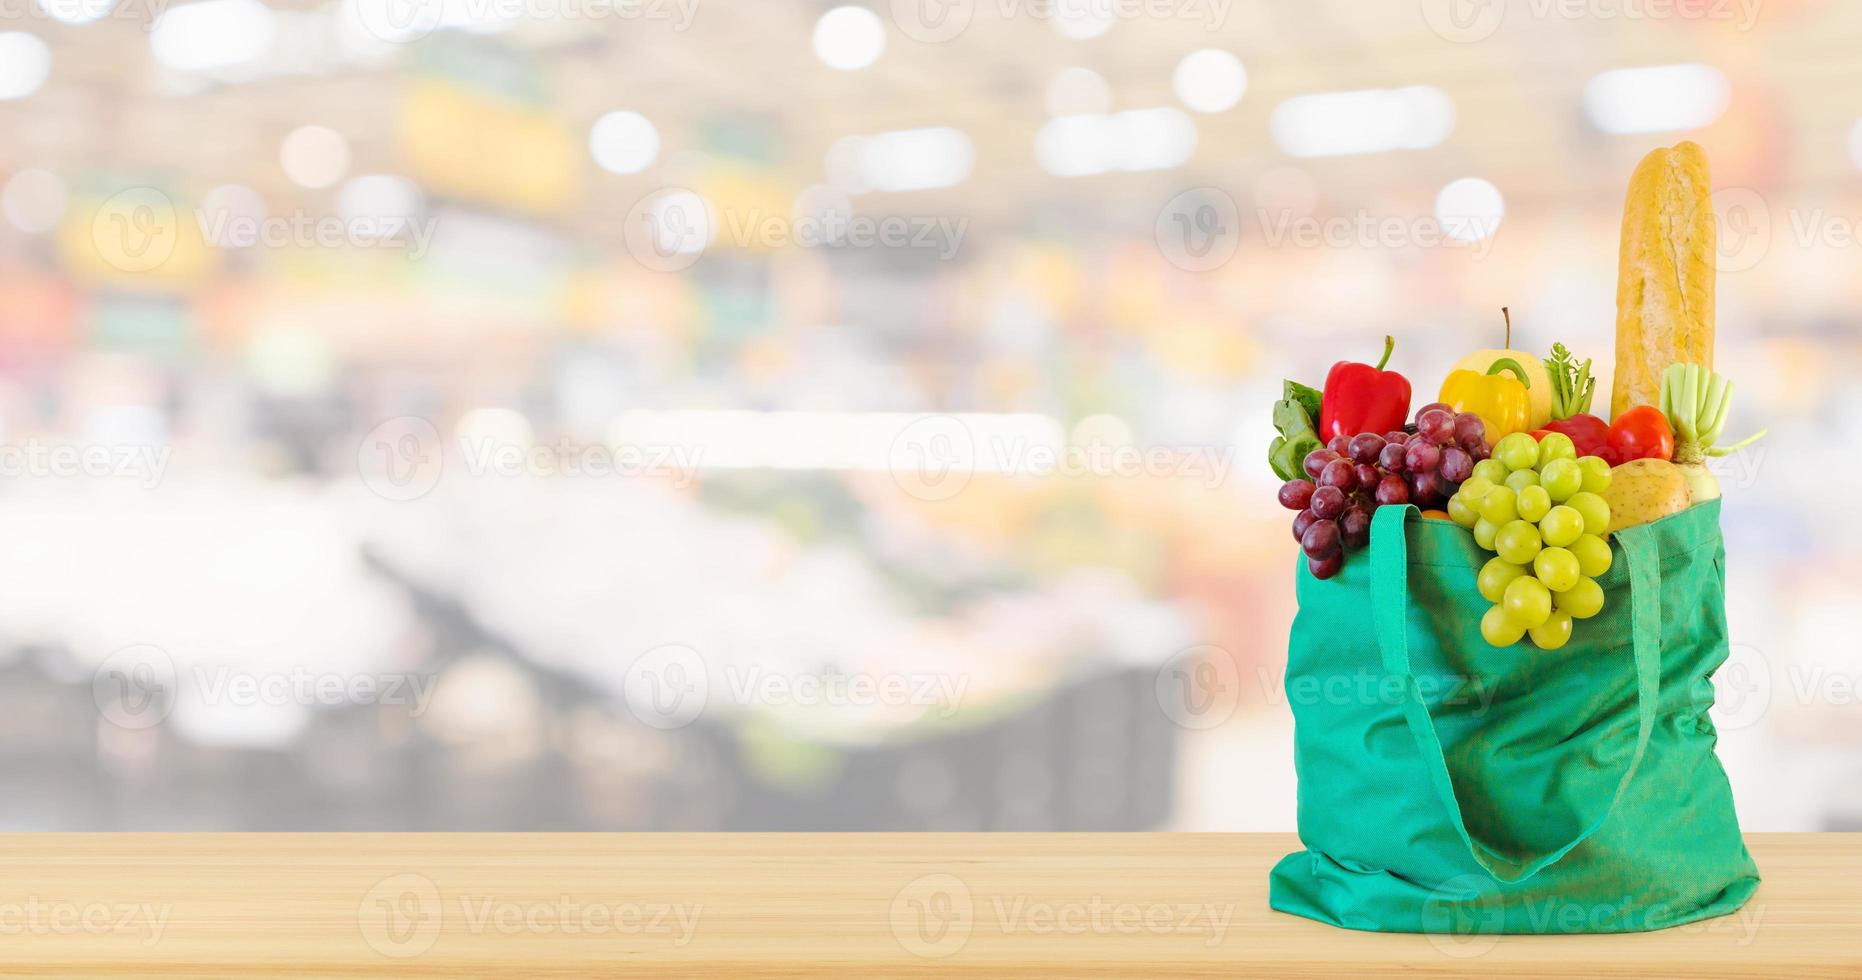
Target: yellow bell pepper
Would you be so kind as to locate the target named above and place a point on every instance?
(1504, 404)
(1538, 380)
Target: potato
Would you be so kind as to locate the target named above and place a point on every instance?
(1644, 490)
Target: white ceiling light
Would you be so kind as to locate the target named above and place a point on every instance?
(849, 38)
(1077, 90)
(34, 200)
(623, 142)
(212, 34)
(1210, 80)
(1368, 121)
(1469, 209)
(25, 63)
(76, 12)
(916, 159)
(314, 156)
(1136, 139)
(1658, 99)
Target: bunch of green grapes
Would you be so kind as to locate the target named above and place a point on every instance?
(1540, 509)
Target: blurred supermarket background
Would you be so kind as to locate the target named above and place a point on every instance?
(681, 414)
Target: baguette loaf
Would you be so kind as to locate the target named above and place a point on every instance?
(1664, 274)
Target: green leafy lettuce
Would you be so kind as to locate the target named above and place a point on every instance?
(1296, 418)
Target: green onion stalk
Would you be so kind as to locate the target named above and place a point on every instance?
(1697, 402)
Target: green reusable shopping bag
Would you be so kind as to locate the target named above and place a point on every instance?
(1449, 786)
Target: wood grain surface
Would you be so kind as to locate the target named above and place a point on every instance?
(790, 905)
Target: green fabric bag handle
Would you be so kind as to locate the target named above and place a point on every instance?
(1389, 612)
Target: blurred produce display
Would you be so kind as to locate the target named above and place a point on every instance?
(771, 416)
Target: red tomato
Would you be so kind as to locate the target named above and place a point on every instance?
(1641, 433)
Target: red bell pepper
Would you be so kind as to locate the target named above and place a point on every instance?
(1362, 398)
(1590, 434)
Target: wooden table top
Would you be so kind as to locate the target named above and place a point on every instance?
(574, 905)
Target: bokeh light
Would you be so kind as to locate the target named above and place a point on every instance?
(623, 142)
(1210, 80)
(34, 200)
(25, 63)
(77, 12)
(1469, 209)
(314, 156)
(849, 38)
(1369, 121)
(212, 34)
(1661, 98)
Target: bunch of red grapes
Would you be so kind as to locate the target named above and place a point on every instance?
(1355, 475)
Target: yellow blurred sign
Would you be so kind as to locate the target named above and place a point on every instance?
(137, 238)
(480, 148)
(748, 203)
